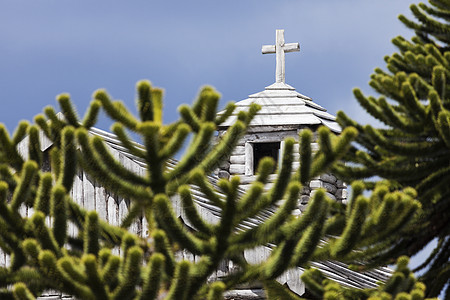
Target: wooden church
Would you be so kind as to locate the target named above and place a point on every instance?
(284, 113)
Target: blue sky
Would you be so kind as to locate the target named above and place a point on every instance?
(49, 47)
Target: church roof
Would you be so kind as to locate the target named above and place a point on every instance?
(282, 105)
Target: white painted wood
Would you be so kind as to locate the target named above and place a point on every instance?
(282, 94)
(237, 159)
(295, 165)
(23, 210)
(239, 150)
(315, 147)
(22, 148)
(123, 209)
(249, 159)
(145, 229)
(88, 192)
(268, 186)
(307, 119)
(247, 179)
(177, 206)
(272, 128)
(280, 154)
(236, 169)
(291, 278)
(315, 184)
(44, 141)
(268, 137)
(101, 204)
(7, 260)
(136, 226)
(257, 255)
(245, 187)
(280, 48)
(2, 259)
(247, 294)
(30, 212)
(77, 195)
(113, 210)
(77, 189)
(282, 108)
(188, 255)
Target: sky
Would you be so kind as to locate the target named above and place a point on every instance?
(50, 47)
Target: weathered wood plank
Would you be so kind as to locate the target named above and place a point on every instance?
(273, 128)
(291, 278)
(249, 160)
(44, 141)
(237, 159)
(295, 165)
(113, 210)
(145, 231)
(2, 259)
(88, 192)
(77, 195)
(121, 214)
(30, 212)
(7, 260)
(247, 294)
(239, 150)
(123, 209)
(237, 169)
(77, 189)
(315, 184)
(101, 204)
(269, 136)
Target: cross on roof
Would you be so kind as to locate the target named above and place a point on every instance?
(280, 48)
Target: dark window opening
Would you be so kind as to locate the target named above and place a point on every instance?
(261, 150)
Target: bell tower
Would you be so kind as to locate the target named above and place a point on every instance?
(284, 113)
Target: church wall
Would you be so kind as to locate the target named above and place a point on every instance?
(112, 208)
(240, 163)
(92, 196)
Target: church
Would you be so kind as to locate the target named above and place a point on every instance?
(284, 113)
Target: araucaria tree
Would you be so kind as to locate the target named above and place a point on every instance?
(413, 148)
(44, 255)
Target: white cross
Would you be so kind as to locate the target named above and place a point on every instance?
(280, 48)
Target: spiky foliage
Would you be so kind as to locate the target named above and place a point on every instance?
(413, 146)
(402, 285)
(86, 264)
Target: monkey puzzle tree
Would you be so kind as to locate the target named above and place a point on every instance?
(44, 255)
(413, 148)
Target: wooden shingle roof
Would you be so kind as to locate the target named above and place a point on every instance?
(282, 105)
